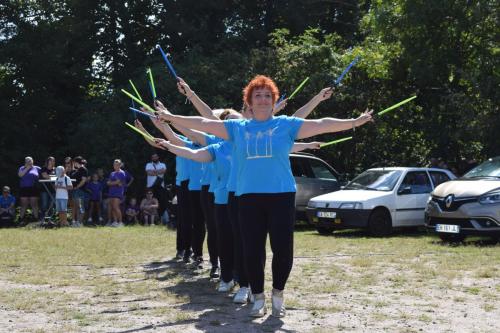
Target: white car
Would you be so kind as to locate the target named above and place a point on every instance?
(378, 199)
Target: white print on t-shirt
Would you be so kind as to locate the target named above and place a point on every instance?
(260, 145)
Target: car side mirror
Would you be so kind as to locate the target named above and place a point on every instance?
(404, 190)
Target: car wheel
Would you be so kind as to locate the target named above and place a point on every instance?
(324, 231)
(380, 223)
(452, 238)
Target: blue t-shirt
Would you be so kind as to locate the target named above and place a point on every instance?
(6, 202)
(262, 148)
(195, 171)
(233, 173)
(181, 166)
(207, 168)
(222, 154)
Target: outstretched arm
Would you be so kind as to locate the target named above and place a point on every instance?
(138, 125)
(330, 125)
(198, 155)
(167, 131)
(215, 127)
(193, 135)
(200, 106)
(300, 146)
(304, 111)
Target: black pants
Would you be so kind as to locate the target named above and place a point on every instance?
(239, 267)
(207, 204)
(198, 223)
(224, 242)
(259, 214)
(160, 193)
(184, 227)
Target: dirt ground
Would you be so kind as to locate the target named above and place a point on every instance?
(167, 296)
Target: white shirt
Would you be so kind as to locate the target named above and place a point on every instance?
(62, 193)
(151, 167)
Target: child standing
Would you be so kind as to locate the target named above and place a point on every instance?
(62, 185)
(95, 189)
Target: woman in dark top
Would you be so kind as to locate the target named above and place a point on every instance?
(48, 170)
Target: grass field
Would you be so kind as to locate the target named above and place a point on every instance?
(124, 280)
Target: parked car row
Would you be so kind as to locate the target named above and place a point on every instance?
(381, 199)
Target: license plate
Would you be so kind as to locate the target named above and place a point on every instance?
(454, 229)
(329, 215)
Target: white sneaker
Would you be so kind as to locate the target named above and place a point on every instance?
(109, 224)
(101, 219)
(242, 296)
(225, 287)
(117, 224)
(76, 224)
(278, 304)
(259, 307)
(89, 220)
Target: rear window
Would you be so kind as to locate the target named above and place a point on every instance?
(438, 177)
(320, 170)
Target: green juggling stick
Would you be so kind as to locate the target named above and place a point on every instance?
(135, 90)
(150, 109)
(335, 142)
(396, 105)
(298, 88)
(146, 135)
(153, 90)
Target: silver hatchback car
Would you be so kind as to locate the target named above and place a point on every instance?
(469, 205)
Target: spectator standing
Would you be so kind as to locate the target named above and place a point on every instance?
(62, 185)
(7, 207)
(29, 174)
(155, 180)
(116, 183)
(47, 171)
(79, 174)
(94, 188)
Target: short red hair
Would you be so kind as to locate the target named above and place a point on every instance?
(259, 82)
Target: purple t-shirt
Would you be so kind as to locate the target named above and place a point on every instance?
(95, 191)
(30, 178)
(116, 191)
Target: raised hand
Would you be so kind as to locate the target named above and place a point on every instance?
(184, 88)
(365, 117)
(325, 94)
(280, 106)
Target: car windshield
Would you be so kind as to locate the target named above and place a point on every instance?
(488, 169)
(376, 180)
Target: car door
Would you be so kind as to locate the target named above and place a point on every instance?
(411, 198)
(301, 180)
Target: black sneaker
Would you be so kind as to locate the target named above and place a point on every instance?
(187, 257)
(198, 262)
(214, 272)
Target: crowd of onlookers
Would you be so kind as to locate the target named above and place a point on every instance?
(52, 192)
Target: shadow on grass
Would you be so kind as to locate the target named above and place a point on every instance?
(476, 241)
(217, 312)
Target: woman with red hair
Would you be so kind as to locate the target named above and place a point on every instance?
(266, 187)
